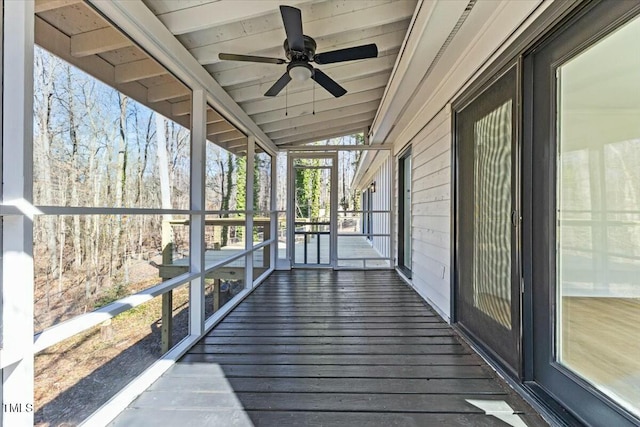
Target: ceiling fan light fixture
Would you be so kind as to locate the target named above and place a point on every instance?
(300, 72)
(300, 50)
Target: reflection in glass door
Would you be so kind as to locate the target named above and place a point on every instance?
(487, 288)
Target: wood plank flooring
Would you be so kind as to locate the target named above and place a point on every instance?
(325, 348)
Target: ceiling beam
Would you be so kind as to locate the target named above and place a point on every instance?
(325, 116)
(322, 125)
(306, 97)
(98, 41)
(319, 136)
(51, 39)
(46, 5)
(218, 128)
(231, 135)
(181, 108)
(320, 106)
(213, 116)
(237, 144)
(234, 146)
(323, 27)
(218, 13)
(139, 22)
(167, 91)
(138, 70)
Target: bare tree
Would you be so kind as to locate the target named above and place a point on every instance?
(121, 181)
(45, 68)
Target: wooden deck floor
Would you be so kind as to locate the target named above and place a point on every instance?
(327, 348)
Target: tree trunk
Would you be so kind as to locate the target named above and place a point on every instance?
(46, 136)
(73, 175)
(226, 196)
(165, 189)
(121, 181)
(61, 252)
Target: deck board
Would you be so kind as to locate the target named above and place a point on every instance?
(317, 347)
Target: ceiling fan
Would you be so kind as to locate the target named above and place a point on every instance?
(300, 51)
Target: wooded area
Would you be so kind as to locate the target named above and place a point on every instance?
(313, 185)
(94, 147)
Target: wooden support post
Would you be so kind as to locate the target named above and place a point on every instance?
(167, 321)
(216, 295)
(248, 278)
(197, 229)
(266, 257)
(167, 242)
(16, 231)
(167, 235)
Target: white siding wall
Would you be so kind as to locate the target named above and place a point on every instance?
(426, 125)
(431, 211)
(429, 133)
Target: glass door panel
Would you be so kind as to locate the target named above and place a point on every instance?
(406, 212)
(312, 202)
(585, 214)
(598, 216)
(487, 290)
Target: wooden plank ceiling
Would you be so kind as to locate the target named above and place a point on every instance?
(209, 27)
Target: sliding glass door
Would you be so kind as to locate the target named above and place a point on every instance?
(585, 222)
(487, 279)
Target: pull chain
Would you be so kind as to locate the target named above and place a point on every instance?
(314, 99)
(286, 101)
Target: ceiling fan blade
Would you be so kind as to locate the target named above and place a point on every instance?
(279, 85)
(328, 83)
(292, 18)
(250, 58)
(348, 54)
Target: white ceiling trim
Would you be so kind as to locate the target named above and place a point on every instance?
(478, 41)
(434, 22)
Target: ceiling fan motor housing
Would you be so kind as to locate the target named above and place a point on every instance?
(307, 55)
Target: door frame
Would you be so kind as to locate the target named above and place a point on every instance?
(545, 376)
(333, 200)
(402, 236)
(516, 307)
